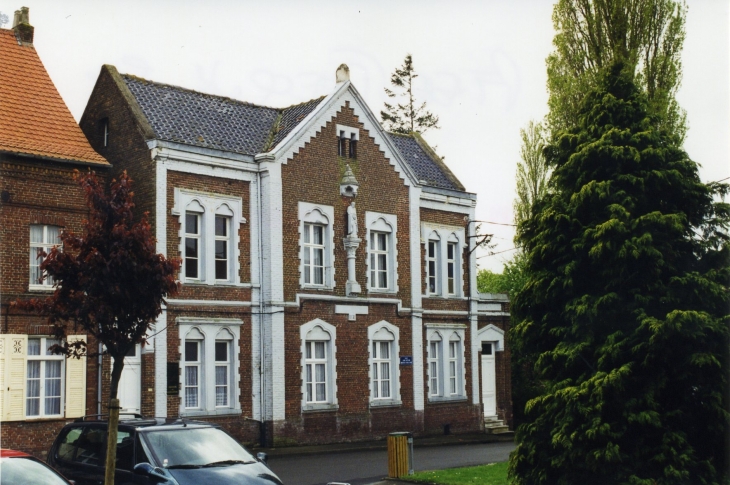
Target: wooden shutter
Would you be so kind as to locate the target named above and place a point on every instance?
(75, 382)
(14, 363)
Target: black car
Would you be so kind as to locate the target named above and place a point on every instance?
(158, 451)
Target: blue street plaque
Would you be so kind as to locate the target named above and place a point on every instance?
(406, 360)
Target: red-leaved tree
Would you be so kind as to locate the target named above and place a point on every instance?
(109, 283)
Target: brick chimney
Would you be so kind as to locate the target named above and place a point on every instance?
(21, 26)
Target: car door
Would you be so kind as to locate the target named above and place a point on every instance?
(129, 453)
(80, 454)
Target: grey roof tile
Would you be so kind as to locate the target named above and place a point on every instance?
(189, 117)
(428, 170)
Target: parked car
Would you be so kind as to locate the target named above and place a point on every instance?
(160, 452)
(18, 468)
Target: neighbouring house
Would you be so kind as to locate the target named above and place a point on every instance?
(328, 279)
(40, 147)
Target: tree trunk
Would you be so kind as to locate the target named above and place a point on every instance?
(113, 422)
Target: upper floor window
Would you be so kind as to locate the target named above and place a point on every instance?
(209, 236)
(319, 376)
(316, 245)
(382, 257)
(443, 272)
(208, 365)
(42, 239)
(347, 138)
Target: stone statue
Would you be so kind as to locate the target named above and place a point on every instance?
(351, 221)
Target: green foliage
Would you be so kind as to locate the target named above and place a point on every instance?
(407, 117)
(625, 311)
(532, 171)
(491, 474)
(490, 282)
(591, 34)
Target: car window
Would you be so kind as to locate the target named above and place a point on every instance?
(27, 471)
(67, 448)
(125, 450)
(140, 455)
(194, 446)
(91, 447)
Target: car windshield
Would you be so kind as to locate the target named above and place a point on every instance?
(195, 447)
(25, 471)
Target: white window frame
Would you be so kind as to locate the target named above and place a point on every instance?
(208, 332)
(318, 330)
(378, 333)
(43, 358)
(322, 215)
(446, 236)
(34, 261)
(376, 222)
(433, 260)
(444, 337)
(209, 206)
(452, 267)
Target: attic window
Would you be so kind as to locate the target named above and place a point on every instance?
(105, 131)
(347, 138)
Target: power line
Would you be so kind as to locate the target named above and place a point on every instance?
(496, 223)
(498, 252)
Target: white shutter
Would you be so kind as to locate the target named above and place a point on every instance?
(75, 382)
(14, 362)
(3, 346)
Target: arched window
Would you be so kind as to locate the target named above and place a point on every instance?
(318, 366)
(382, 254)
(445, 358)
(316, 243)
(384, 364)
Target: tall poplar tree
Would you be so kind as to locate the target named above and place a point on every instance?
(409, 116)
(626, 309)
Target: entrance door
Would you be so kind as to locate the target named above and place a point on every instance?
(489, 382)
(130, 383)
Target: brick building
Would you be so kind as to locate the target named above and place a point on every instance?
(328, 276)
(40, 147)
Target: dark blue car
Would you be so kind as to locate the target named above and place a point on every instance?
(158, 451)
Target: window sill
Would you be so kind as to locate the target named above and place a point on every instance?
(314, 408)
(41, 288)
(441, 399)
(316, 287)
(380, 291)
(220, 284)
(217, 412)
(444, 297)
(37, 419)
(386, 403)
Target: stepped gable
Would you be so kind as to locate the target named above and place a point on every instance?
(425, 163)
(189, 117)
(34, 120)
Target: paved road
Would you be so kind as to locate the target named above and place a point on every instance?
(365, 467)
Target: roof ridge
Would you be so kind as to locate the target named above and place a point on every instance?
(319, 99)
(217, 96)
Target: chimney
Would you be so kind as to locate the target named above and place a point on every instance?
(342, 74)
(21, 26)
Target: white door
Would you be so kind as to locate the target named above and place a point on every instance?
(489, 382)
(130, 395)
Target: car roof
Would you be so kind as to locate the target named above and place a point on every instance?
(145, 423)
(7, 453)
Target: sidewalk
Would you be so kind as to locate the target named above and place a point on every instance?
(440, 440)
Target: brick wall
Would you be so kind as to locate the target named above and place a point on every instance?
(126, 148)
(313, 175)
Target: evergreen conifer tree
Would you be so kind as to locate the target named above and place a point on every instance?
(406, 117)
(626, 309)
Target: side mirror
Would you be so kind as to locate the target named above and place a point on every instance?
(147, 470)
(263, 458)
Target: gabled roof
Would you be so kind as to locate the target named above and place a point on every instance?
(34, 120)
(184, 116)
(427, 165)
(189, 117)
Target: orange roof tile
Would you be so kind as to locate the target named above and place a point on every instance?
(34, 120)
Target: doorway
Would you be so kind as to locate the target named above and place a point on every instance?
(489, 381)
(130, 383)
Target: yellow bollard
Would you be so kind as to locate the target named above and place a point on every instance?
(400, 454)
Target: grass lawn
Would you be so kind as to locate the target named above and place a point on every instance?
(492, 474)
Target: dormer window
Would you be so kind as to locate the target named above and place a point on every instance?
(347, 138)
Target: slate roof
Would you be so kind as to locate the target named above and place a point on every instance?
(34, 120)
(192, 118)
(428, 167)
(184, 116)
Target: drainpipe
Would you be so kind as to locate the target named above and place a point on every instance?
(99, 368)
(262, 346)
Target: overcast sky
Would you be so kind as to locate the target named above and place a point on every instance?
(481, 67)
